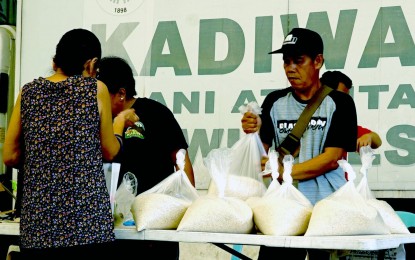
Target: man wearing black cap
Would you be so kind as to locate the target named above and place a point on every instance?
(331, 132)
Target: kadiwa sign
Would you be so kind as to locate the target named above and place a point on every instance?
(203, 59)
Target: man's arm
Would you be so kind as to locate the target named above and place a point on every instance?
(318, 165)
(372, 139)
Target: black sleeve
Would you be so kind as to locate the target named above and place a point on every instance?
(267, 132)
(343, 128)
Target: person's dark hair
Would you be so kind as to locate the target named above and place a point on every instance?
(74, 49)
(333, 78)
(116, 73)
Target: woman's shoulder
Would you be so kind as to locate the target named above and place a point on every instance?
(101, 87)
(33, 86)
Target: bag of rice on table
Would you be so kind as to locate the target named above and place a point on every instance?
(389, 216)
(345, 212)
(242, 163)
(163, 206)
(391, 219)
(218, 213)
(283, 210)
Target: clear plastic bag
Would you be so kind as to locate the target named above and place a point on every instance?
(345, 212)
(242, 184)
(220, 210)
(163, 206)
(124, 198)
(283, 210)
(217, 163)
(392, 220)
(240, 165)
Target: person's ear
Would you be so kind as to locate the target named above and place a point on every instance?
(319, 61)
(122, 93)
(55, 68)
(90, 67)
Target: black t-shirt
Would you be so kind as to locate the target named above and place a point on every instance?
(149, 146)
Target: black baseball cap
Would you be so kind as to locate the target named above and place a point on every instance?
(300, 41)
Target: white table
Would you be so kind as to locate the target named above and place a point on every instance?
(9, 228)
(366, 242)
(362, 242)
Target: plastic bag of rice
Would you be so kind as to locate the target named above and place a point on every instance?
(343, 218)
(278, 216)
(345, 212)
(163, 206)
(392, 220)
(236, 171)
(218, 214)
(239, 186)
(283, 211)
(158, 211)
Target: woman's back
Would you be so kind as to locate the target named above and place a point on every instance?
(64, 182)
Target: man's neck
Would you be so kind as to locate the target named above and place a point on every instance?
(308, 93)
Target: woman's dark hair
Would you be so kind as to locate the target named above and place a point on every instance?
(74, 49)
(116, 73)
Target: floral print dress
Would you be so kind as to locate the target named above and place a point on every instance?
(65, 201)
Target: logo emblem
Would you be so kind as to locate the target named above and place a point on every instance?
(119, 7)
(290, 39)
(135, 131)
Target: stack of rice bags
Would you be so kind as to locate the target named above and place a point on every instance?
(346, 212)
(283, 210)
(218, 212)
(163, 206)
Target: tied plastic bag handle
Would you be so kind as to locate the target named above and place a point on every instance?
(180, 158)
(272, 165)
(269, 169)
(351, 174)
(367, 157)
(288, 166)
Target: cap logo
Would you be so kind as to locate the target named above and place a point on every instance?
(290, 39)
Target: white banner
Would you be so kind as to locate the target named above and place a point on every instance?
(203, 59)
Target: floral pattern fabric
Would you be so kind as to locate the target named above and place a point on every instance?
(65, 201)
